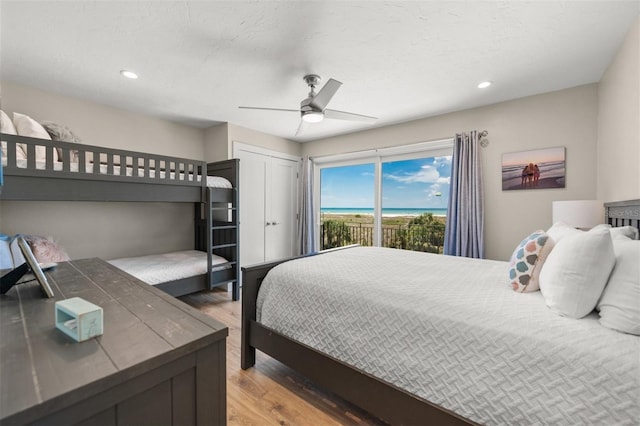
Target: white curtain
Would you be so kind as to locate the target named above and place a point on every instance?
(306, 226)
(464, 232)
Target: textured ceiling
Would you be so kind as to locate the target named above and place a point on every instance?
(199, 60)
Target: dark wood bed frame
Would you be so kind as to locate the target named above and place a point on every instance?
(376, 396)
(216, 209)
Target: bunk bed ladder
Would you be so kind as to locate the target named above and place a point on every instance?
(223, 237)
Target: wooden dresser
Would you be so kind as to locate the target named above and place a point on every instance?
(158, 362)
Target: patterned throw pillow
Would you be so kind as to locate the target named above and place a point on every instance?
(524, 261)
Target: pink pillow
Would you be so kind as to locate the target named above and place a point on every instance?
(46, 249)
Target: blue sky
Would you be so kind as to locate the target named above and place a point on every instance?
(405, 184)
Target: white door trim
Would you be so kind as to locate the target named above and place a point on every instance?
(241, 146)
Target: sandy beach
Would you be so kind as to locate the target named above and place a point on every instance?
(550, 182)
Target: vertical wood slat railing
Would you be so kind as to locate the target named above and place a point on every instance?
(66, 160)
(82, 161)
(429, 238)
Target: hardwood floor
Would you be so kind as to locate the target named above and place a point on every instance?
(271, 393)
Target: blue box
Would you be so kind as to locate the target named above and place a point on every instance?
(79, 319)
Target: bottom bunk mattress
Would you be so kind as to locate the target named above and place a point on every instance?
(450, 330)
(161, 268)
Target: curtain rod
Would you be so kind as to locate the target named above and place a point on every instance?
(484, 142)
(482, 139)
(389, 150)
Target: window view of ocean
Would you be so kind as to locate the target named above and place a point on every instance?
(409, 183)
(385, 211)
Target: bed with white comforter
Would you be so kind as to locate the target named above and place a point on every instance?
(451, 330)
(165, 267)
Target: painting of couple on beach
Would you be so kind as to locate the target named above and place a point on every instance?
(537, 169)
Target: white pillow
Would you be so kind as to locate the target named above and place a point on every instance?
(7, 127)
(27, 126)
(558, 231)
(576, 271)
(620, 303)
(626, 231)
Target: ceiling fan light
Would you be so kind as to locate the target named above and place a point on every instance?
(312, 116)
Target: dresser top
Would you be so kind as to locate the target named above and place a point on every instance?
(144, 328)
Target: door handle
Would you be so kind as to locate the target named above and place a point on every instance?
(268, 223)
(274, 223)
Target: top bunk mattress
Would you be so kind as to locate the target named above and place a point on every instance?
(452, 331)
(212, 181)
(160, 268)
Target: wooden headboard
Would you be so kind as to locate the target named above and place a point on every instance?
(623, 213)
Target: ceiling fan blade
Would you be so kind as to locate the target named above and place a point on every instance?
(341, 115)
(301, 128)
(325, 94)
(270, 109)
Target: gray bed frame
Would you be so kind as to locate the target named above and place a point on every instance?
(179, 180)
(374, 395)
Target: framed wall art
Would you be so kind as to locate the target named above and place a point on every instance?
(535, 169)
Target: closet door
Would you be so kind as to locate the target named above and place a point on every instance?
(268, 197)
(282, 193)
(253, 177)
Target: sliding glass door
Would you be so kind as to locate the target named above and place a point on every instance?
(395, 201)
(415, 194)
(347, 201)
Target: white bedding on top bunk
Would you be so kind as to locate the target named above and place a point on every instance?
(160, 268)
(212, 181)
(452, 331)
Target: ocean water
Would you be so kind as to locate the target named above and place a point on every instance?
(385, 212)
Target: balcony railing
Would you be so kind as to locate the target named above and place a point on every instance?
(425, 237)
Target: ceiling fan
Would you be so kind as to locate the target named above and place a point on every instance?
(314, 109)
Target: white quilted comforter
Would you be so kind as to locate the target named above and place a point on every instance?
(452, 331)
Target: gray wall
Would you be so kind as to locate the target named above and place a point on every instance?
(252, 137)
(619, 123)
(565, 118)
(103, 125)
(107, 230)
(218, 141)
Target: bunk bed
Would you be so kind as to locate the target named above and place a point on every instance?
(431, 339)
(44, 170)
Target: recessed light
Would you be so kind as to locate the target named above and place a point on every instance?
(484, 84)
(129, 74)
